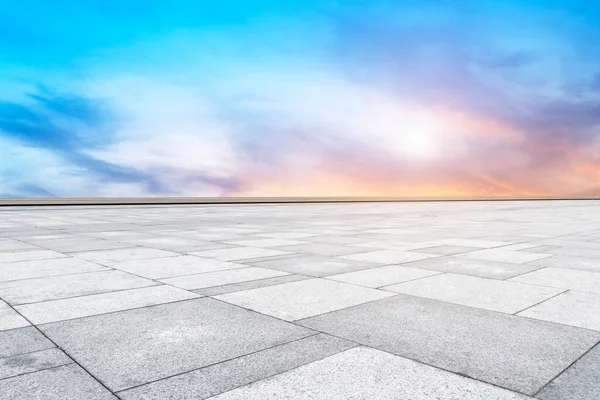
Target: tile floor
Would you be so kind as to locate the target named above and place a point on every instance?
(454, 300)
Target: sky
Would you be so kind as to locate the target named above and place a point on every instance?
(299, 98)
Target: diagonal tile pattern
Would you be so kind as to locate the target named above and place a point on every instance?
(457, 300)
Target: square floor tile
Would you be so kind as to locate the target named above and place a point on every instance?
(43, 268)
(32, 362)
(517, 257)
(15, 256)
(111, 257)
(84, 306)
(9, 318)
(580, 309)
(133, 347)
(219, 278)
(314, 265)
(167, 267)
(69, 382)
(490, 294)
(323, 249)
(59, 287)
(513, 352)
(239, 253)
(388, 256)
(586, 281)
(445, 250)
(265, 243)
(481, 268)
(381, 276)
(589, 264)
(579, 382)
(363, 373)
(296, 300)
(22, 340)
(472, 243)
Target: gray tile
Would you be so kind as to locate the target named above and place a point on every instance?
(70, 245)
(15, 256)
(323, 249)
(266, 243)
(363, 373)
(388, 256)
(509, 351)
(580, 309)
(228, 375)
(130, 348)
(296, 300)
(43, 268)
(445, 250)
(219, 278)
(481, 268)
(586, 281)
(32, 362)
(239, 253)
(472, 243)
(84, 306)
(15, 245)
(517, 257)
(490, 294)
(316, 266)
(68, 382)
(377, 277)
(9, 318)
(589, 264)
(23, 340)
(238, 287)
(166, 267)
(110, 257)
(59, 287)
(579, 382)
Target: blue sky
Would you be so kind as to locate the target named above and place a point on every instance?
(314, 97)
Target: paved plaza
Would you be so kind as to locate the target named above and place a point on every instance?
(408, 301)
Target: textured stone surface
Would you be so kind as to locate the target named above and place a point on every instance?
(31, 362)
(586, 281)
(23, 340)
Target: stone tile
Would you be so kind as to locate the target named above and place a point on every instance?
(579, 382)
(239, 253)
(490, 294)
(323, 249)
(296, 300)
(32, 362)
(445, 250)
(472, 243)
(59, 287)
(22, 340)
(167, 267)
(588, 264)
(219, 278)
(15, 245)
(286, 235)
(377, 277)
(314, 265)
(517, 257)
(170, 243)
(134, 347)
(364, 373)
(509, 351)
(111, 257)
(219, 378)
(77, 307)
(580, 309)
(69, 382)
(30, 255)
(69, 245)
(43, 268)
(9, 318)
(586, 281)
(481, 268)
(388, 256)
(265, 243)
(576, 251)
(395, 245)
(238, 287)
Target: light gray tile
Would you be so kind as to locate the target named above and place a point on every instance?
(580, 309)
(32, 362)
(68, 382)
(509, 351)
(296, 300)
(445, 250)
(239, 253)
(579, 382)
(314, 265)
(377, 277)
(9, 318)
(77, 307)
(586, 281)
(15, 245)
(15, 256)
(166, 267)
(589, 264)
(215, 379)
(58, 287)
(265, 243)
(490, 294)
(471, 243)
(110, 257)
(388, 256)
(219, 278)
(323, 249)
(238, 287)
(22, 340)
(363, 373)
(134, 347)
(481, 268)
(517, 257)
(43, 268)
